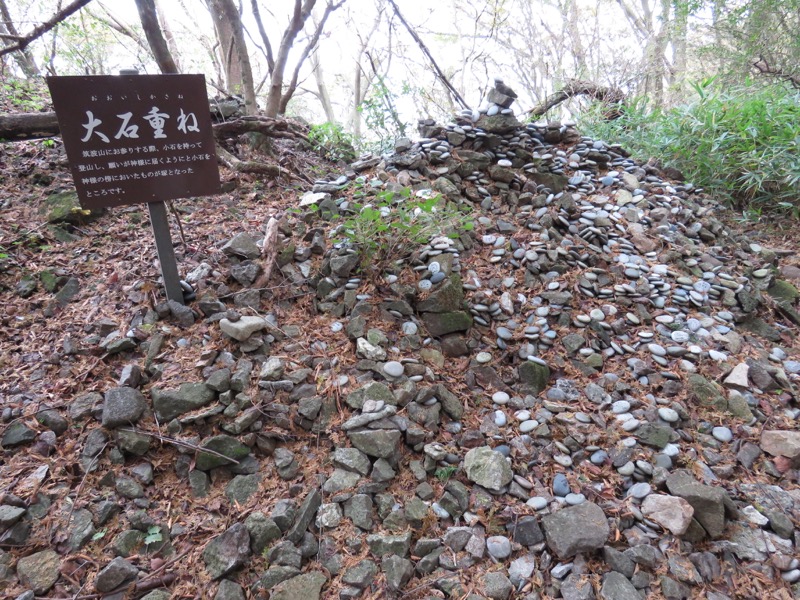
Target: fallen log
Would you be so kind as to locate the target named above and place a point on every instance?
(17, 127)
(575, 87)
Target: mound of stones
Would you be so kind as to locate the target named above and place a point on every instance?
(592, 395)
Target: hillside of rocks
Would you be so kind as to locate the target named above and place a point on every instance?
(531, 368)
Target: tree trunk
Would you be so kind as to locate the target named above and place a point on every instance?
(358, 98)
(155, 38)
(324, 97)
(302, 10)
(229, 13)
(223, 27)
(168, 35)
(679, 42)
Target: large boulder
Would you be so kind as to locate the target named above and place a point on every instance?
(708, 502)
(672, 513)
(576, 529)
(776, 442)
(227, 552)
(122, 406)
(172, 403)
(307, 586)
(487, 468)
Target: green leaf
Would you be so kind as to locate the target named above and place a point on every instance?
(153, 535)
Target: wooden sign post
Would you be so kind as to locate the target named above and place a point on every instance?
(138, 138)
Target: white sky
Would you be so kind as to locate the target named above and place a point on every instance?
(190, 21)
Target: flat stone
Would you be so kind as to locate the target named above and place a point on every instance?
(307, 586)
(393, 368)
(376, 443)
(171, 403)
(534, 376)
(351, 459)
(305, 516)
(738, 377)
(242, 244)
(497, 586)
(397, 570)
(668, 414)
(365, 349)
(381, 544)
(39, 571)
(123, 406)
(224, 445)
(242, 329)
(498, 546)
(708, 502)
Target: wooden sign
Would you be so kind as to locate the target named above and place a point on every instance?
(136, 138)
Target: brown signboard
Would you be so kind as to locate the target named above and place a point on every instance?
(136, 138)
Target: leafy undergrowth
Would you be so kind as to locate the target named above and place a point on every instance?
(741, 144)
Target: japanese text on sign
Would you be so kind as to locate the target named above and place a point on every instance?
(141, 138)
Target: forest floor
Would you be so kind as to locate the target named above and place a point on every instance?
(92, 507)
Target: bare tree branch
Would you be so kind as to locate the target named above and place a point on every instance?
(763, 67)
(312, 43)
(37, 32)
(112, 22)
(264, 37)
(427, 53)
(24, 58)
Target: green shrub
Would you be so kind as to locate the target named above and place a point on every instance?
(741, 144)
(395, 224)
(332, 142)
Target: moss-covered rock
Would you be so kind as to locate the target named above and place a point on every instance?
(64, 207)
(783, 291)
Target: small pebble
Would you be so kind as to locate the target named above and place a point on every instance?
(393, 368)
(722, 434)
(575, 499)
(500, 398)
(410, 328)
(483, 358)
(560, 485)
(627, 469)
(499, 547)
(537, 503)
(668, 414)
(640, 490)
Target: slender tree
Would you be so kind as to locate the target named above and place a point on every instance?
(23, 58)
(155, 37)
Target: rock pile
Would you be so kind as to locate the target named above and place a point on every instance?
(569, 402)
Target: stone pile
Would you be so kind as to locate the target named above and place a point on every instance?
(570, 402)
